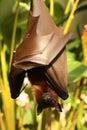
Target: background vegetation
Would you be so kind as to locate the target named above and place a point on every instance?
(21, 113)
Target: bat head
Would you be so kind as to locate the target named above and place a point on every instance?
(45, 97)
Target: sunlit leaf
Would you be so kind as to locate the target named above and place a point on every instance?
(76, 70)
(74, 43)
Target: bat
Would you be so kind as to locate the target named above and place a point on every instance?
(42, 55)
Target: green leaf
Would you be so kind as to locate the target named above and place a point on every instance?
(84, 127)
(70, 100)
(74, 43)
(29, 116)
(58, 13)
(76, 70)
(6, 8)
(84, 89)
(22, 20)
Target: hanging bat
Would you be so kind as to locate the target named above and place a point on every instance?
(42, 55)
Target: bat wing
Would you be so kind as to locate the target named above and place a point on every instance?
(43, 46)
(57, 75)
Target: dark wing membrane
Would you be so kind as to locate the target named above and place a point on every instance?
(43, 50)
(15, 82)
(57, 75)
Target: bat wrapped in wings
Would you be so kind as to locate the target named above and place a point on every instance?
(42, 55)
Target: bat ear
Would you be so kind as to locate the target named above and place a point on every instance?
(39, 109)
(58, 107)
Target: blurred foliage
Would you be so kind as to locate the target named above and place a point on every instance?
(21, 113)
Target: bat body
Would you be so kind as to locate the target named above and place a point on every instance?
(42, 54)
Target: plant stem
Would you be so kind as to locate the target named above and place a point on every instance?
(80, 114)
(40, 122)
(8, 104)
(51, 7)
(68, 24)
(2, 125)
(67, 7)
(14, 32)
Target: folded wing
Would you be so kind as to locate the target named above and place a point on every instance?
(44, 45)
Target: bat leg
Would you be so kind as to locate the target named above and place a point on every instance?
(39, 109)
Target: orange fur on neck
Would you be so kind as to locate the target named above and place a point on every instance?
(41, 88)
